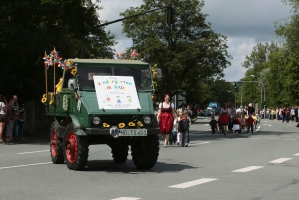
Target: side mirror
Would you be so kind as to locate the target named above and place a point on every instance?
(159, 73)
(72, 85)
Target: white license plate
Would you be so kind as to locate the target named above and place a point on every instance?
(132, 132)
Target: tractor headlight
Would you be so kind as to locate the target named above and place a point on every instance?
(96, 120)
(147, 120)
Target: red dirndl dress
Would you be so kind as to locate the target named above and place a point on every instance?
(166, 120)
(223, 118)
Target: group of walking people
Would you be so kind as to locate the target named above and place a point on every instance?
(12, 119)
(174, 126)
(234, 120)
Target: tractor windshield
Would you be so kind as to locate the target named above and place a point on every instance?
(142, 76)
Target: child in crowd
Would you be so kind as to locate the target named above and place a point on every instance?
(258, 120)
(254, 120)
(213, 124)
(249, 123)
(243, 122)
(184, 128)
(179, 138)
(173, 136)
(237, 125)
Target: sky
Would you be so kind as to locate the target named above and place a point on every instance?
(244, 22)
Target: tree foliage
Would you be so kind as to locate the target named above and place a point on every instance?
(187, 49)
(30, 27)
(277, 64)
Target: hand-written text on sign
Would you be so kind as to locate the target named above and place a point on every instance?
(116, 92)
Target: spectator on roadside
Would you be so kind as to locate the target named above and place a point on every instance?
(287, 114)
(283, 115)
(15, 107)
(296, 114)
(277, 114)
(21, 122)
(9, 121)
(292, 114)
(3, 110)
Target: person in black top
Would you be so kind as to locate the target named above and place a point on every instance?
(250, 109)
(184, 128)
(213, 124)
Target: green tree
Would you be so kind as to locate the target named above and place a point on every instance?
(183, 51)
(29, 28)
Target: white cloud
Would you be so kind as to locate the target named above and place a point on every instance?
(244, 22)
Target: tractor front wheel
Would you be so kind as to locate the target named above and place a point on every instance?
(145, 154)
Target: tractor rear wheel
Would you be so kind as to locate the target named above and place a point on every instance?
(56, 148)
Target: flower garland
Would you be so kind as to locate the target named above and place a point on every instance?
(44, 99)
(130, 124)
(52, 59)
(128, 56)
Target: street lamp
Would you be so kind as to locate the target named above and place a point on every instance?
(261, 90)
(235, 98)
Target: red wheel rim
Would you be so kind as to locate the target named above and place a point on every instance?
(54, 140)
(71, 150)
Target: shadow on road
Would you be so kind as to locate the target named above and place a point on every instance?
(111, 167)
(200, 135)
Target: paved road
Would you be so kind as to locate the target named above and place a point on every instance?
(262, 166)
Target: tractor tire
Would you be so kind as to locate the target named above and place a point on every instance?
(120, 154)
(145, 155)
(56, 147)
(75, 149)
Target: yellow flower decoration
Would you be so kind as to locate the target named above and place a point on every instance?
(44, 96)
(74, 72)
(44, 100)
(131, 124)
(155, 74)
(153, 69)
(106, 125)
(51, 102)
(121, 125)
(140, 123)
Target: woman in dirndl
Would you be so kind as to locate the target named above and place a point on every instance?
(223, 118)
(165, 118)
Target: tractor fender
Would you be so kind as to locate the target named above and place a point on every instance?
(77, 126)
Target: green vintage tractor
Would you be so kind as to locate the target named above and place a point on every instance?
(102, 101)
